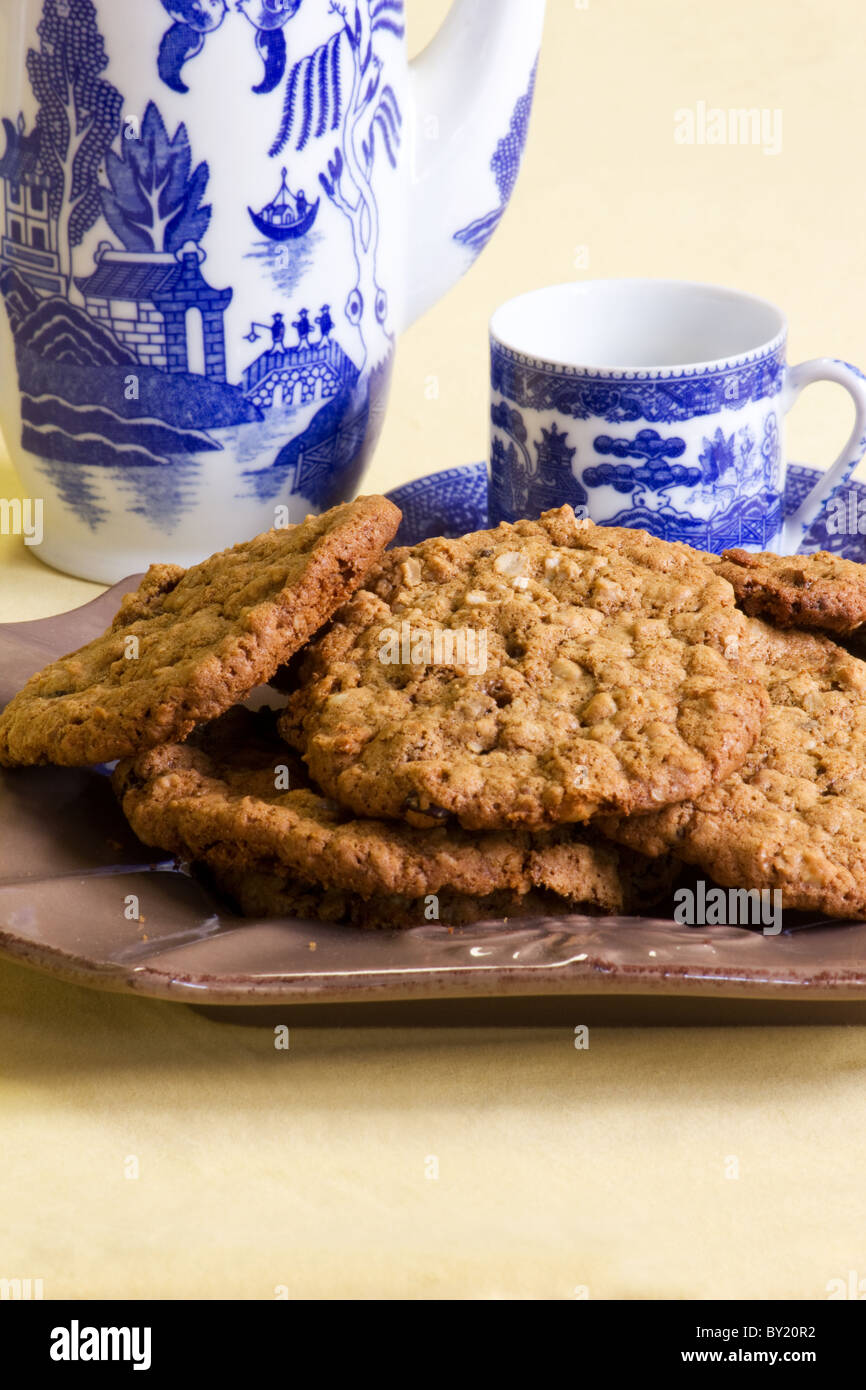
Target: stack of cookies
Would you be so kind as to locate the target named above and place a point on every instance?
(539, 719)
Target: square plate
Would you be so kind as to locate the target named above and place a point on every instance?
(70, 869)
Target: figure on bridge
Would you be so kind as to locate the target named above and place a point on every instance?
(303, 328)
(298, 376)
(325, 322)
(277, 330)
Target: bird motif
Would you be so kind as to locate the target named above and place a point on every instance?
(193, 21)
(269, 18)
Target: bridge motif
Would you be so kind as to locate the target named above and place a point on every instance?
(298, 376)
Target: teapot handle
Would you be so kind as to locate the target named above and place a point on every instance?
(472, 90)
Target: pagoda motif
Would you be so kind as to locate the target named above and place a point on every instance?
(28, 225)
(160, 306)
(554, 483)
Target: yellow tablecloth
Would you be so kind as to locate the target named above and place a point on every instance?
(668, 1162)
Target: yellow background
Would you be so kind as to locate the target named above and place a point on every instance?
(607, 1169)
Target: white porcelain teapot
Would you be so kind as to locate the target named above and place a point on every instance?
(216, 219)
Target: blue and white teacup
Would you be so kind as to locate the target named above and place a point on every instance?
(657, 404)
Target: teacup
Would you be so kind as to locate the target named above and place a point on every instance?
(657, 404)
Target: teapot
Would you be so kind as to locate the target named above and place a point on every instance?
(216, 220)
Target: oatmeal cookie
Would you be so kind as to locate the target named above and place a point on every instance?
(259, 894)
(189, 644)
(222, 799)
(538, 673)
(793, 816)
(820, 591)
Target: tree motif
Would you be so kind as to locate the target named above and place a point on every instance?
(656, 474)
(369, 119)
(155, 199)
(79, 116)
(718, 457)
(505, 167)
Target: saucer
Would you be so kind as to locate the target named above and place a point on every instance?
(454, 501)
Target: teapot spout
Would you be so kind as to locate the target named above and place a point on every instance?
(473, 87)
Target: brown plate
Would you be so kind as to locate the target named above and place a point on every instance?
(82, 899)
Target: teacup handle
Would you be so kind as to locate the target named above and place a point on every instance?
(799, 377)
